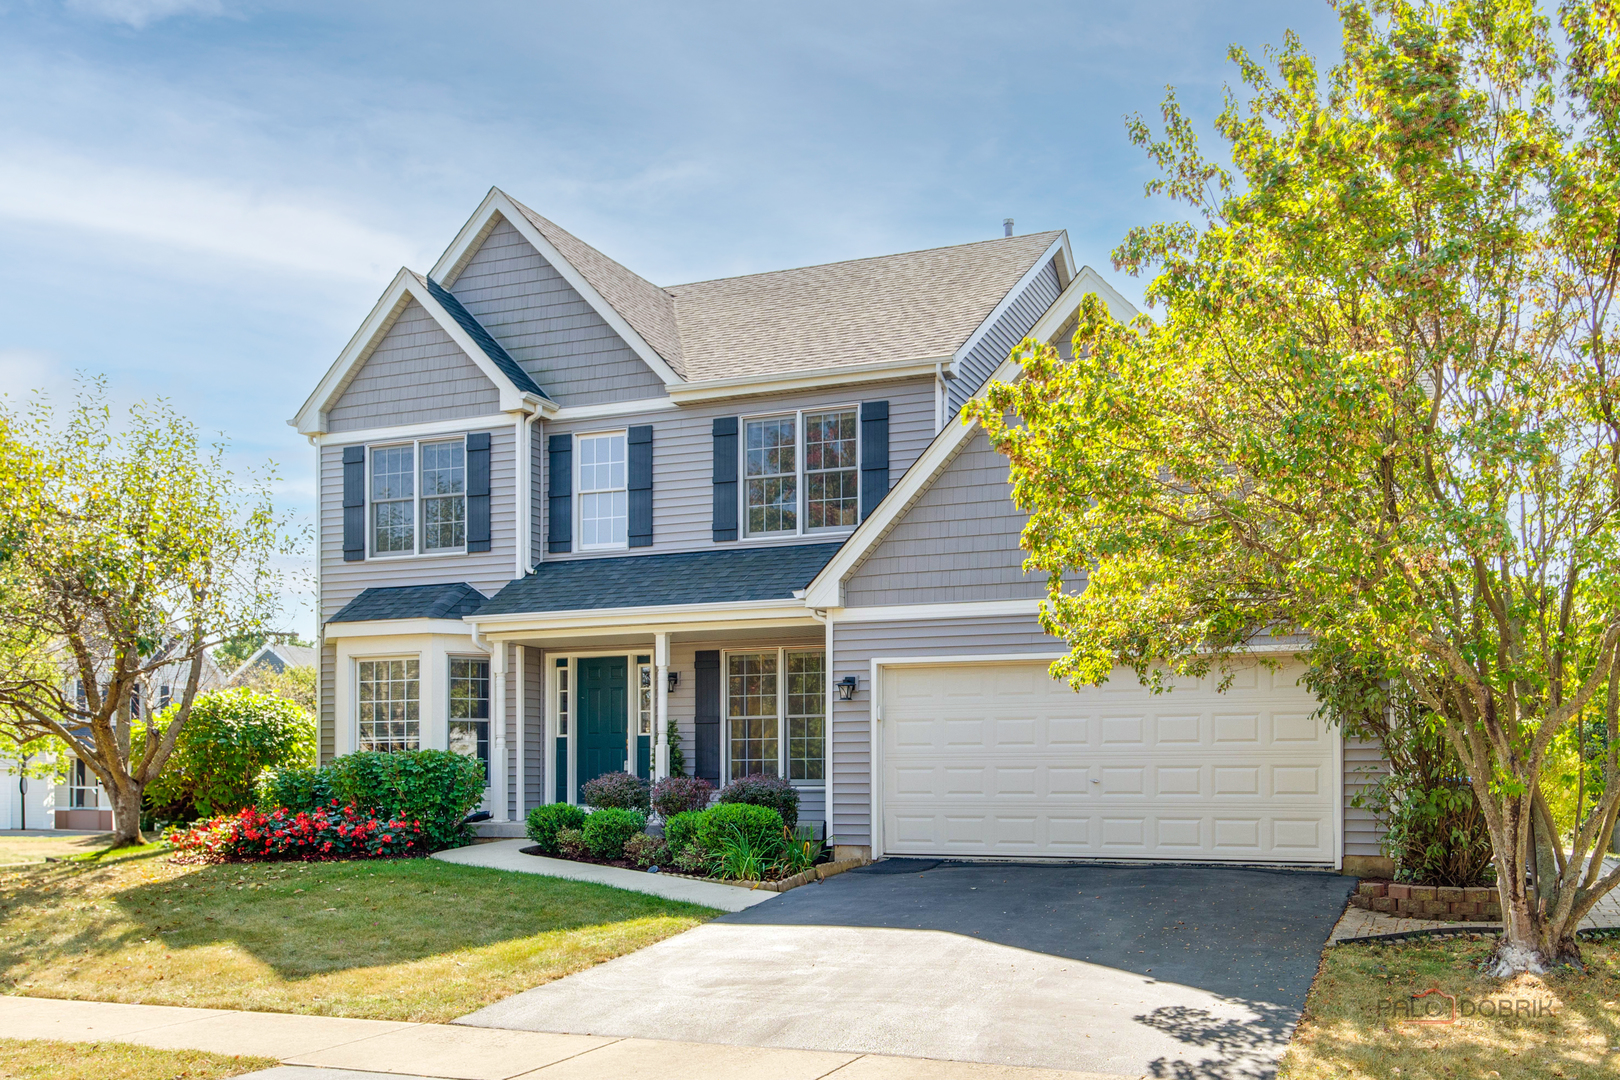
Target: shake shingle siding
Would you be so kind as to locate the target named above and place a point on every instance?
(958, 542)
(558, 338)
(1005, 333)
(415, 375)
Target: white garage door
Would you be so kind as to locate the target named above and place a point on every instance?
(1000, 760)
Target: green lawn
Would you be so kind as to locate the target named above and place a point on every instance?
(41, 1059)
(411, 939)
(1344, 1033)
(35, 849)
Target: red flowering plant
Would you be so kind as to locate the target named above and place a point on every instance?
(327, 832)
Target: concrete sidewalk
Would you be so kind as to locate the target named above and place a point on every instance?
(331, 1048)
(508, 855)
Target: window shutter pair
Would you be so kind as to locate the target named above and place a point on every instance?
(874, 417)
(638, 485)
(706, 715)
(478, 491)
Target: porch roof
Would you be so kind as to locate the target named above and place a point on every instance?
(448, 601)
(725, 576)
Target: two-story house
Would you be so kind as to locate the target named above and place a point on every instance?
(569, 518)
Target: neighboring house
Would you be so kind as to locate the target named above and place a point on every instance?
(276, 657)
(563, 508)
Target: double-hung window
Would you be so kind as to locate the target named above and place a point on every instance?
(390, 705)
(786, 493)
(83, 787)
(469, 709)
(776, 713)
(603, 501)
(419, 497)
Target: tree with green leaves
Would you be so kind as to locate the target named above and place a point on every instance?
(1378, 408)
(123, 553)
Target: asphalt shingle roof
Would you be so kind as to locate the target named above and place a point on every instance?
(475, 330)
(450, 601)
(730, 575)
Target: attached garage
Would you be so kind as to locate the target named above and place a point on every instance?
(995, 759)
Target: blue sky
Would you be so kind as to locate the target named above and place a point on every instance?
(201, 199)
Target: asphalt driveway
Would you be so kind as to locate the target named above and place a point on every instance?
(1162, 971)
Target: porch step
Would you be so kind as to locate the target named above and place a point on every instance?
(489, 831)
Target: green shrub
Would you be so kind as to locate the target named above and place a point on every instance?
(692, 860)
(544, 822)
(644, 850)
(298, 788)
(681, 830)
(571, 844)
(758, 826)
(739, 858)
(762, 790)
(435, 787)
(606, 830)
(619, 790)
(230, 738)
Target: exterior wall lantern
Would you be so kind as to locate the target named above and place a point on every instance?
(846, 688)
(674, 680)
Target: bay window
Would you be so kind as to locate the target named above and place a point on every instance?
(390, 705)
(469, 709)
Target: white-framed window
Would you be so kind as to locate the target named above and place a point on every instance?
(84, 789)
(562, 710)
(776, 713)
(418, 497)
(604, 514)
(786, 492)
(469, 708)
(644, 695)
(389, 699)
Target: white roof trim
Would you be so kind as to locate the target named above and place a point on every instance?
(878, 371)
(497, 204)
(371, 628)
(826, 589)
(311, 418)
(1059, 250)
(746, 611)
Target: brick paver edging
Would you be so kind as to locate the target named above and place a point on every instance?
(1442, 903)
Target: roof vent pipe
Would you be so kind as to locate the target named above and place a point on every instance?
(1006, 227)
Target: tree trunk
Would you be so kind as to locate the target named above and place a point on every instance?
(126, 800)
(1530, 941)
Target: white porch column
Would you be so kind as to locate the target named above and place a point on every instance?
(497, 759)
(522, 721)
(661, 711)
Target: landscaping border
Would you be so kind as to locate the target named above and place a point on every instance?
(816, 873)
(1467, 930)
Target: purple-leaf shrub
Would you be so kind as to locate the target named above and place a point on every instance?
(677, 794)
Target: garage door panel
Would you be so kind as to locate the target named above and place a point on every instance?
(1041, 770)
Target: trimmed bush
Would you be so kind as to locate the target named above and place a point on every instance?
(435, 787)
(571, 844)
(616, 790)
(294, 788)
(680, 831)
(759, 826)
(545, 822)
(230, 738)
(761, 790)
(606, 830)
(644, 850)
(679, 794)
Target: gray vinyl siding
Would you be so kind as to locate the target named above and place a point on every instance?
(416, 374)
(1364, 765)
(683, 454)
(487, 571)
(534, 729)
(328, 718)
(1005, 333)
(854, 647)
(958, 542)
(558, 338)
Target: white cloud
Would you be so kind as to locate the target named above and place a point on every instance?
(139, 13)
(190, 213)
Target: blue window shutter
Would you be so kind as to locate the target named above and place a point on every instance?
(706, 715)
(874, 455)
(560, 492)
(639, 482)
(354, 503)
(725, 478)
(478, 491)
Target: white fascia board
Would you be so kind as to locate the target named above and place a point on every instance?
(611, 408)
(396, 627)
(489, 421)
(643, 618)
(1057, 249)
(311, 418)
(497, 202)
(1064, 307)
(744, 386)
(972, 609)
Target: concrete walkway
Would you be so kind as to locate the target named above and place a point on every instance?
(330, 1048)
(508, 855)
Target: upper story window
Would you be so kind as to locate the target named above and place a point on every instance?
(419, 497)
(603, 502)
(786, 493)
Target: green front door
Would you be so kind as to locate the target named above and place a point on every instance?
(602, 725)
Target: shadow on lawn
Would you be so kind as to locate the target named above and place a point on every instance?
(298, 919)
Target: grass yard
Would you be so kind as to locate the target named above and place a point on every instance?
(36, 849)
(42, 1059)
(1345, 1034)
(413, 939)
